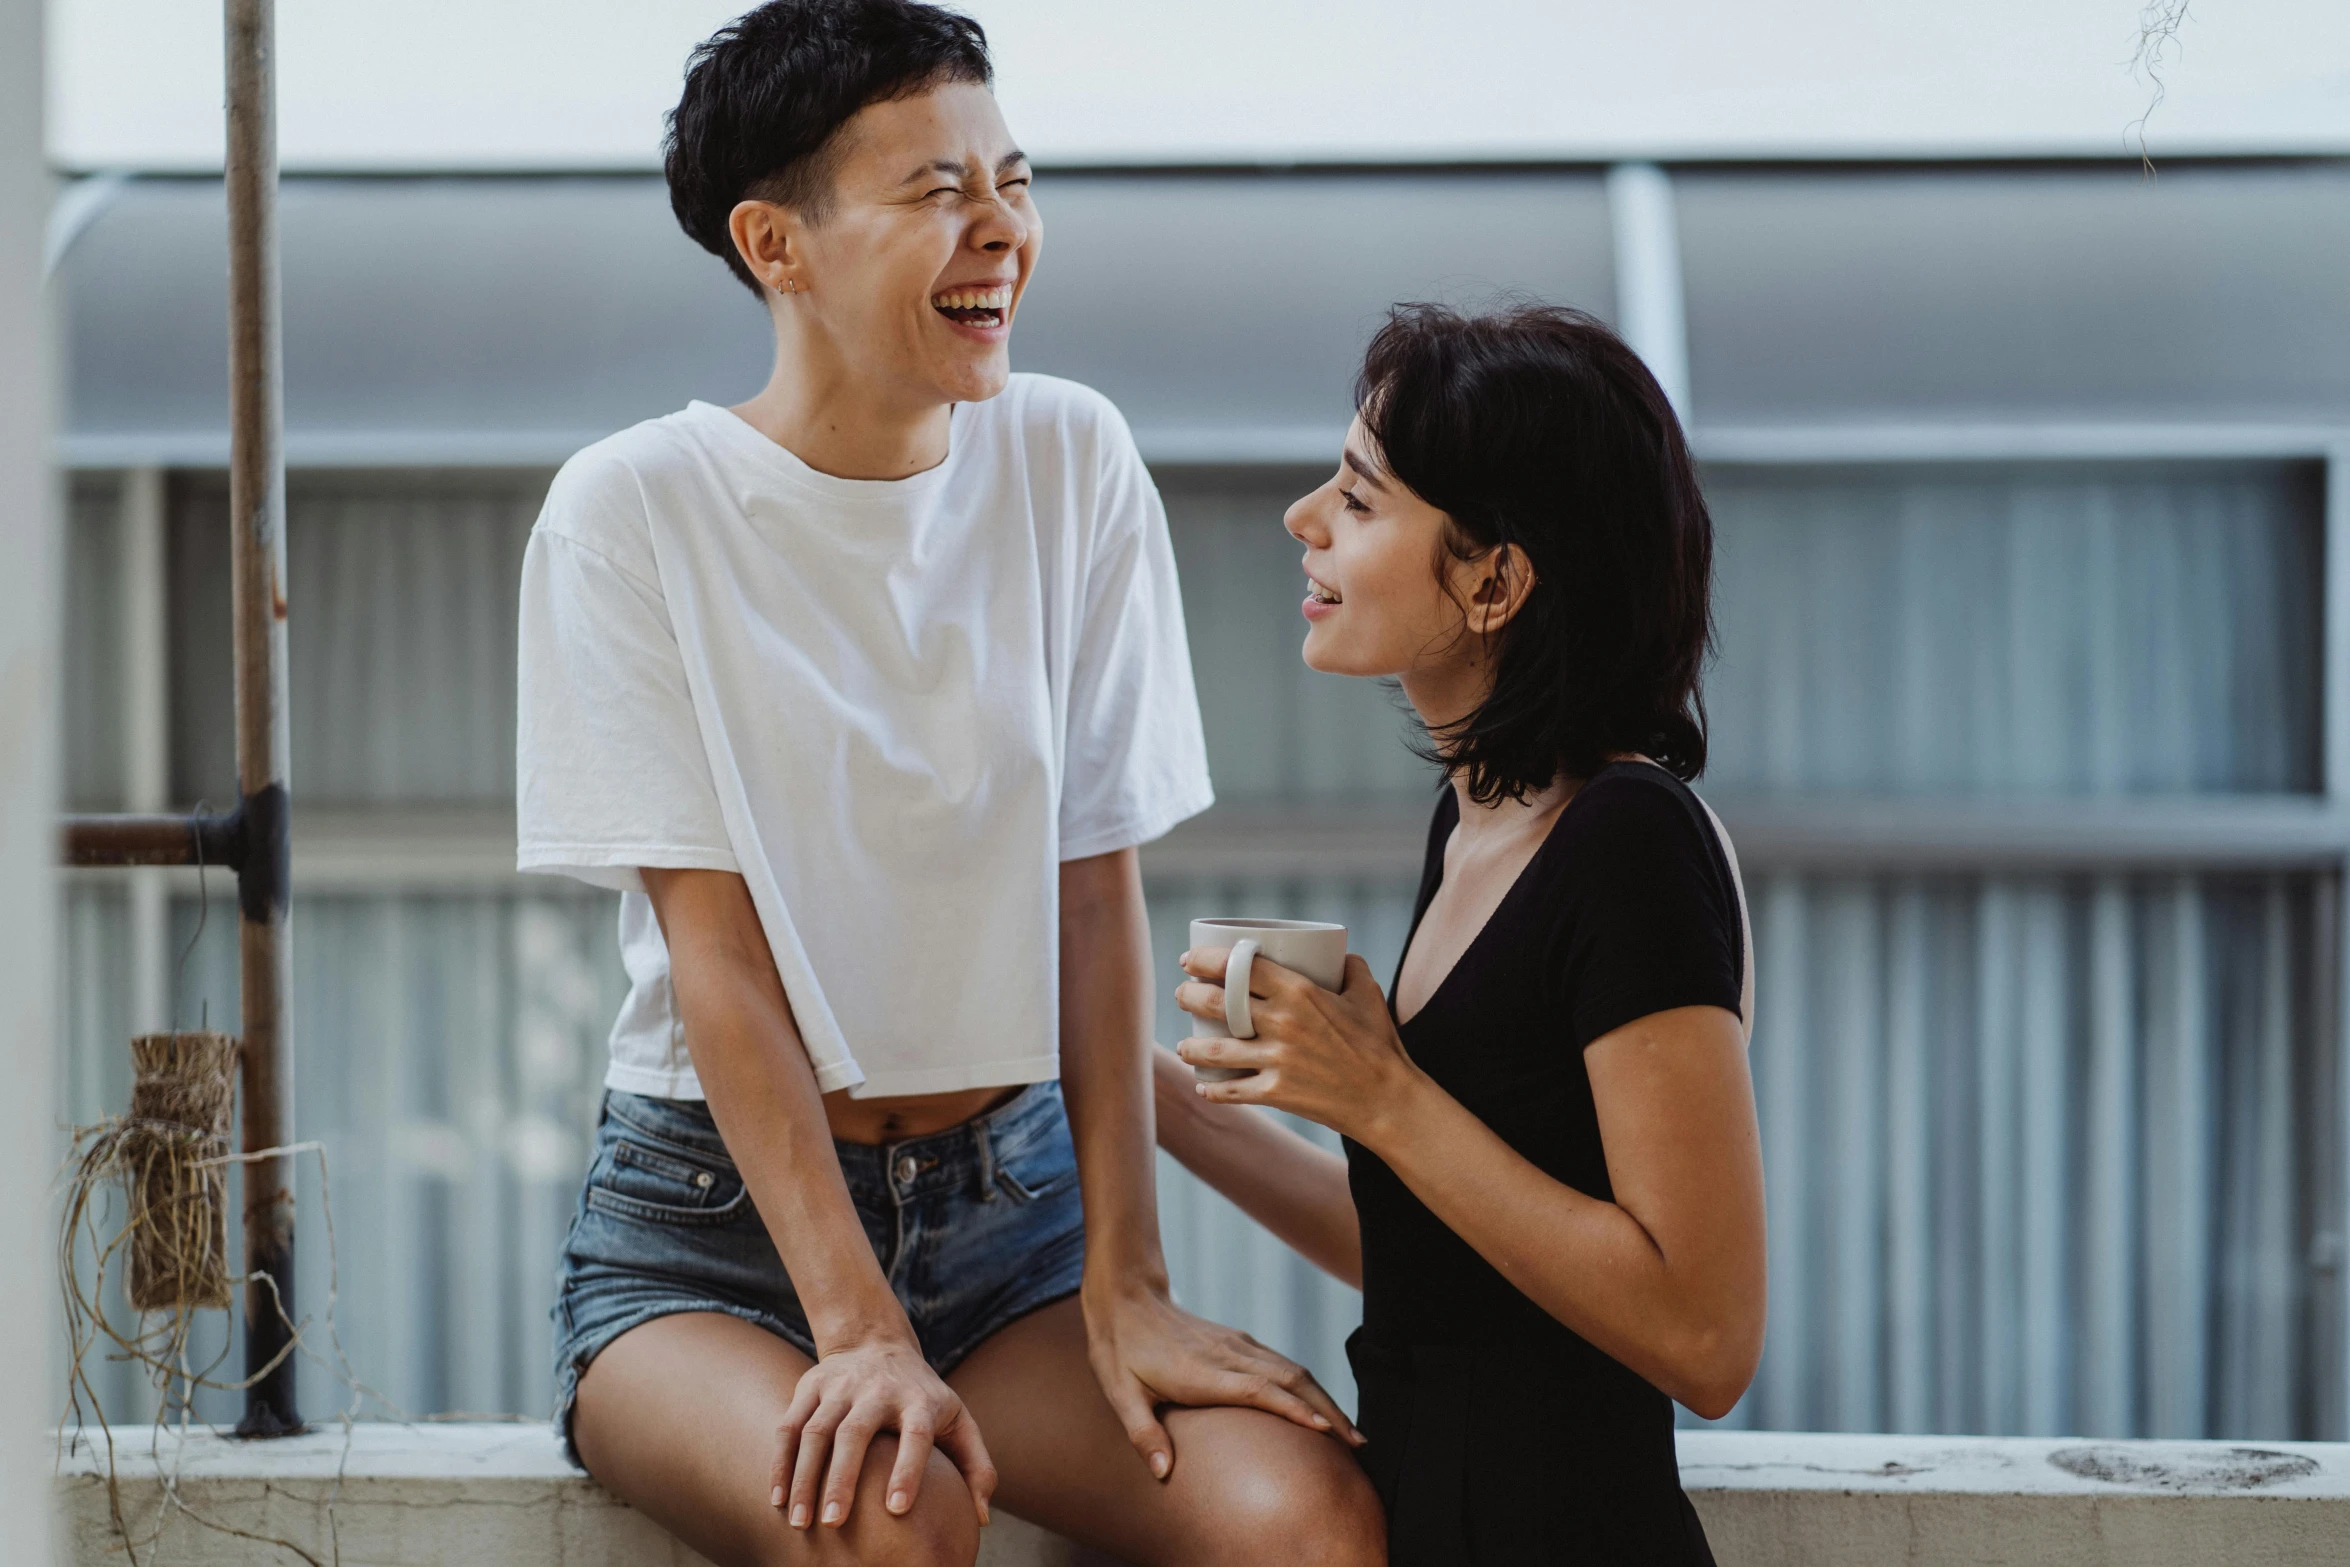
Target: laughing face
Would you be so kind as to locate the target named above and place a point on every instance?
(910, 275)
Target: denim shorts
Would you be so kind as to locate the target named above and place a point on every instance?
(975, 1227)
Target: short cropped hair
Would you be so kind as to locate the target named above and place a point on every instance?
(1535, 425)
(765, 98)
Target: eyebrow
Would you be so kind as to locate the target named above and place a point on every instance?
(962, 171)
(1363, 469)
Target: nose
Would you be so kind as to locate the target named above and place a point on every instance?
(1001, 227)
(1305, 520)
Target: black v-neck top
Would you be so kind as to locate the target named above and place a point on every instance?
(1497, 1436)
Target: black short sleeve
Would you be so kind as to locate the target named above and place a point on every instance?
(1647, 910)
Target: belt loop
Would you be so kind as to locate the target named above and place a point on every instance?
(984, 1131)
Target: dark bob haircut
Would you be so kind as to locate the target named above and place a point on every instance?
(1536, 426)
(766, 96)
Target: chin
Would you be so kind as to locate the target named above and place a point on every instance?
(975, 381)
(1322, 658)
(1327, 655)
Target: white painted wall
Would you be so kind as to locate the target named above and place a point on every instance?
(28, 680)
(469, 84)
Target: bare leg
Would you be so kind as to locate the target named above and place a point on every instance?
(678, 1419)
(1248, 1487)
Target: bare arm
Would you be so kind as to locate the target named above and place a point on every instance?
(870, 1375)
(1105, 1030)
(1146, 1351)
(1287, 1184)
(1668, 1278)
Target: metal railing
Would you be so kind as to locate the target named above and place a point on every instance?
(253, 840)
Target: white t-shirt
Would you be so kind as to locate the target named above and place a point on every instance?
(894, 706)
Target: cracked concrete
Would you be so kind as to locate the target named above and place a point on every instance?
(438, 1495)
(456, 1495)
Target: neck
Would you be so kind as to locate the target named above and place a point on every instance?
(1507, 815)
(840, 423)
(1443, 697)
(1447, 693)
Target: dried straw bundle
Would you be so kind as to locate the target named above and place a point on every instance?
(170, 1153)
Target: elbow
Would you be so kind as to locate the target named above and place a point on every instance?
(1714, 1400)
(1713, 1369)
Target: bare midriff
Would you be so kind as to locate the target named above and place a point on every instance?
(911, 1115)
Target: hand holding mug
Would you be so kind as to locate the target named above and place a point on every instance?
(1327, 1052)
(1312, 948)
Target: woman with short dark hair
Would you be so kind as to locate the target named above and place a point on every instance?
(1552, 1191)
(863, 693)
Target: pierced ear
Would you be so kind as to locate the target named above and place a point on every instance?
(762, 237)
(1502, 590)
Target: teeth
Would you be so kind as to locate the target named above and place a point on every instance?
(1320, 594)
(997, 298)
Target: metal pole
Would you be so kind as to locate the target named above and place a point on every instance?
(257, 510)
(155, 840)
(31, 541)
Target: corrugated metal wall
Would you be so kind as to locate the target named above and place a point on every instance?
(2047, 1152)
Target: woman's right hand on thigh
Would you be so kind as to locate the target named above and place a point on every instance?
(852, 1394)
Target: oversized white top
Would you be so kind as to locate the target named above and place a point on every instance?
(894, 706)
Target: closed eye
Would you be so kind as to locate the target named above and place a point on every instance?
(1354, 504)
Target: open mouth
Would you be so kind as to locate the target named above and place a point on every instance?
(975, 306)
(1316, 593)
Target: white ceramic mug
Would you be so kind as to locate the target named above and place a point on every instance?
(1316, 950)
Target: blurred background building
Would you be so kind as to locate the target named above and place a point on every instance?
(2031, 716)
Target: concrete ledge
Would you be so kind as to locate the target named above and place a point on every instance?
(1867, 1501)
(456, 1495)
(438, 1495)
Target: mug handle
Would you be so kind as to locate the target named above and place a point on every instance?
(1236, 977)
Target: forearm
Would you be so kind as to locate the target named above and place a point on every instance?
(1286, 1183)
(1105, 1044)
(1589, 1263)
(761, 1090)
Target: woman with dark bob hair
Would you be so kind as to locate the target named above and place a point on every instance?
(1552, 1190)
(862, 693)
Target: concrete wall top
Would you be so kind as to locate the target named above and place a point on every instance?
(422, 1496)
(1710, 1461)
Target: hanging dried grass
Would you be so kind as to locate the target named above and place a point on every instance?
(170, 1159)
(171, 1154)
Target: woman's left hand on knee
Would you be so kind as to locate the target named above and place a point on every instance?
(1147, 1352)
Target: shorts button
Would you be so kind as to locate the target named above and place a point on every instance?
(705, 1180)
(907, 1169)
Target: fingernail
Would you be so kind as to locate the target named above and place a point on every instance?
(1159, 1465)
(1321, 1423)
(898, 1502)
(832, 1512)
(776, 1500)
(799, 1516)
(985, 1517)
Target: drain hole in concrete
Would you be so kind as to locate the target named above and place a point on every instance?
(2189, 1469)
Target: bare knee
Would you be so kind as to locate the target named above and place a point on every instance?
(941, 1529)
(1319, 1513)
